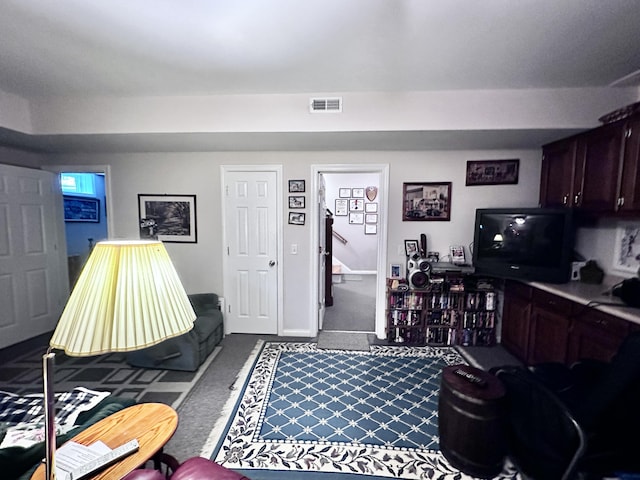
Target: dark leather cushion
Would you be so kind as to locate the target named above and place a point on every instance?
(144, 474)
(198, 468)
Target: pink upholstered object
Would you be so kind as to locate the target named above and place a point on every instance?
(144, 474)
(198, 468)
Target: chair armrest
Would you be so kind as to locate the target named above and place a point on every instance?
(555, 376)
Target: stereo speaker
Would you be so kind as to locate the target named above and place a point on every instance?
(418, 272)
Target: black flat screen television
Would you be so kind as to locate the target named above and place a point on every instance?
(534, 244)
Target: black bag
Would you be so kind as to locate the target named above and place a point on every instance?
(629, 292)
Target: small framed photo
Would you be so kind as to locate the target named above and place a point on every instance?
(371, 207)
(296, 186)
(344, 192)
(492, 172)
(371, 218)
(296, 201)
(395, 270)
(411, 247)
(356, 218)
(296, 218)
(357, 192)
(342, 207)
(356, 205)
(370, 229)
(423, 202)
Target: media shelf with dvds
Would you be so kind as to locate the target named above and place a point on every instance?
(454, 309)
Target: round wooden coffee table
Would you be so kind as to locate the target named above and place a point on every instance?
(152, 424)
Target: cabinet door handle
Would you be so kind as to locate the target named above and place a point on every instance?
(576, 199)
(565, 199)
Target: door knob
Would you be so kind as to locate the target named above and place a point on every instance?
(272, 263)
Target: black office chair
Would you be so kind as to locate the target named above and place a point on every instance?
(544, 440)
(604, 398)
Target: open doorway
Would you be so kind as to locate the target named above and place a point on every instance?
(85, 191)
(352, 248)
(355, 198)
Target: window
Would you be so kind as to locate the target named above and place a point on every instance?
(78, 183)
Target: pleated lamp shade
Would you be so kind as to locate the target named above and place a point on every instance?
(127, 297)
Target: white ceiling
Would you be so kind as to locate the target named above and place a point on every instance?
(209, 47)
(190, 47)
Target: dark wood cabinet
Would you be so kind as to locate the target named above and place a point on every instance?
(629, 200)
(539, 326)
(596, 172)
(595, 334)
(549, 332)
(597, 168)
(516, 318)
(558, 170)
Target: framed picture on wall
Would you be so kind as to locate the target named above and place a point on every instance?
(296, 201)
(426, 201)
(169, 218)
(344, 192)
(342, 207)
(626, 252)
(356, 205)
(81, 209)
(492, 172)
(371, 207)
(296, 218)
(356, 218)
(296, 186)
(370, 229)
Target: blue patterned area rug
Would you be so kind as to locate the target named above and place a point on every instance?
(337, 414)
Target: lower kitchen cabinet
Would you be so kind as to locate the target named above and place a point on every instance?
(516, 318)
(595, 334)
(538, 326)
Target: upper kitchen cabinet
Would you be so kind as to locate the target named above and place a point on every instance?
(629, 199)
(558, 167)
(596, 172)
(595, 185)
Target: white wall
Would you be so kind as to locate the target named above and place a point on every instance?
(20, 158)
(598, 242)
(451, 167)
(362, 111)
(200, 264)
(361, 251)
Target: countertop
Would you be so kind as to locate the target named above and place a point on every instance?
(599, 295)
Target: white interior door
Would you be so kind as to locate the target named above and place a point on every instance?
(251, 235)
(322, 254)
(33, 269)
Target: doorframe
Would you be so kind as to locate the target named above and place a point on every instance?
(103, 169)
(381, 266)
(226, 280)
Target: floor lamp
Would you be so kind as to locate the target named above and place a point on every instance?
(127, 297)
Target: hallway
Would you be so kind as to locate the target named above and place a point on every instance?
(354, 304)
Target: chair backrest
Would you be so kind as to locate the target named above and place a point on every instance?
(611, 390)
(544, 440)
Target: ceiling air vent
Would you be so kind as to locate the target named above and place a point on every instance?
(325, 105)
